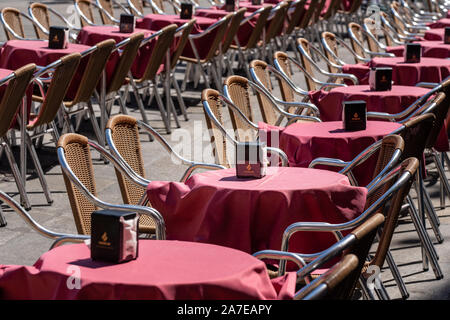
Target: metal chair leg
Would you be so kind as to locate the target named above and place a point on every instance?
(160, 104)
(397, 276)
(3, 222)
(179, 97)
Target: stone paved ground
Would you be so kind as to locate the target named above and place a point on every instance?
(21, 245)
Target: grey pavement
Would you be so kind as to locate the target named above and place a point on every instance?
(19, 244)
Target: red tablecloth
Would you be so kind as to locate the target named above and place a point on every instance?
(249, 6)
(164, 270)
(252, 214)
(91, 35)
(159, 21)
(441, 23)
(393, 101)
(431, 49)
(404, 74)
(303, 142)
(17, 53)
(434, 34)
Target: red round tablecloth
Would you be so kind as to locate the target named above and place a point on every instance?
(91, 35)
(441, 23)
(158, 21)
(393, 101)
(17, 53)
(431, 49)
(360, 70)
(434, 34)
(163, 270)
(304, 142)
(252, 214)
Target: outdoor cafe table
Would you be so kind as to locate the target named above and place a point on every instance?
(158, 21)
(163, 270)
(17, 53)
(441, 23)
(304, 142)
(430, 49)
(250, 215)
(393, 101)
(91, 35)
(434, 34)
(404, 74)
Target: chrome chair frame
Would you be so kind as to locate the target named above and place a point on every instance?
(113, 2)
(341, 42)
(95, 5)
(356, 41)
(10, 30)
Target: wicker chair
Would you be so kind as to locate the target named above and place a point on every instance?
(76, 164)
(212, 102)
(207, 64)
(157, 6)
(106, 8)
(10, 104)
(332, 45)
(357, 34)
(122, 135)
(149, 78)
(12, 24)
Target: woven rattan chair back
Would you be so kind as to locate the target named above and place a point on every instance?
(107, 5)
(286, 91)
(78, 156)
(277, 22)
(11, 17)
(12, 97)
(330, 39)
(355, 29)
(371, 28)
(296, 16)
(218, 140)
(306, 63)
(40, 13)
(86, 8)
(157, 58)
(386, 31)
(233, 28)
(61, 79)
(332, 278)
(127, 58)
(182, 41)
(307, 19)
(218, 39)
(257, 32)
(239, 93)
(93, 72)
(138, 4)
(416, 133)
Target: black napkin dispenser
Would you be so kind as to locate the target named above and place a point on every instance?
(380, 79)
(413, 52)
(230, 5)
(256, 2)
(187, 10)
(58, 37)
(251, 159)
(114, 235)
(354, 115)
(447, 35)
(127, 23)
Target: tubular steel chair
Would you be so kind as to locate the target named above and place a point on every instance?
(400, 16)
(106, 8)
(157, 6)
(208, 62)
(11, 102)
(98, 56)
(59, 238)
(212, 102)
(237, 91)
(164, 40)
(76, 164)
(40, 13)
(356, 33)
(332, 45)
(259, 71)
(122, 135)
(12, 24)
(84, 8)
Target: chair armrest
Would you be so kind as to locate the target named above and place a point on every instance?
(328, 162)
(381, 115)
(199, 165)
(429, 85)
(281, 155)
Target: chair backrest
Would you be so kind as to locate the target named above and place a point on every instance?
(304, 54)
(277, 21)
(78, 157)
(125, 135)
(93, 71)
(296, 16)
(286, 91)
(219, 37)
(370, 27)
(158, 55)
(54, 96)
(218, 140)
(85, 7)
(259, 27)
(13, 95)
(355, 32)
(126, 60)
(309, 15)
(319, 9)
(182, 41)
(233, 28)
(416, 133)
(106, 5)
(324, 287)
(238, 91)
(332, 8)
(40, 13)
(138, 5)
(11, 18)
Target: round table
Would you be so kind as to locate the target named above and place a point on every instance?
(163, 270)
(91, 35)
(304, 142)
(393, 101)
(359, 70)
(251, 214)
(158, 21)
(434, 34)
(431, 49)
(441, 23)
(17, 53)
